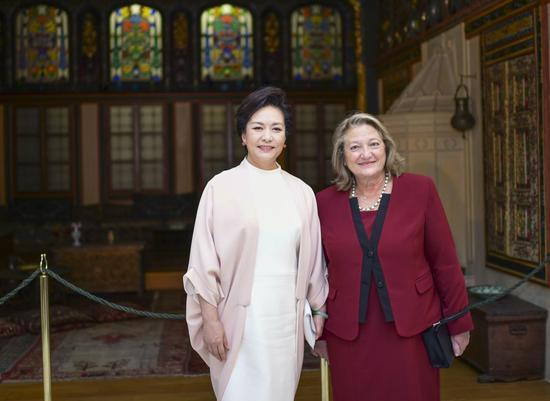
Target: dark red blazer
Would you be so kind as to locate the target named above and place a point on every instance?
(416, 252)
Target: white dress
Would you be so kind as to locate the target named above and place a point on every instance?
(265, 369)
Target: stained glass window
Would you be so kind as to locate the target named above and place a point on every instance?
(316, 43)
(226, 43)
(136, 44)
(42, 44)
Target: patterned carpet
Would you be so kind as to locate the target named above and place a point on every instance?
(13, 349)
(143, 347)
(130, 348)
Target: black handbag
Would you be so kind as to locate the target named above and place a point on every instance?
(438, 345)
(437, 339)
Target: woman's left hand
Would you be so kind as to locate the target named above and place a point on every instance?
(460, 342)
(319, 322)
(320, 350)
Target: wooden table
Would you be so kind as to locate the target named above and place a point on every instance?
(103, 267)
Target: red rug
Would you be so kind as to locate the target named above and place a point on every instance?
(130, 348)
(143, 347)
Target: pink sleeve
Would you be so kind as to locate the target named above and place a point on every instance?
(203, 273)
(318, 285)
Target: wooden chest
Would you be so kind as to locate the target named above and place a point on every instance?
(508, 342)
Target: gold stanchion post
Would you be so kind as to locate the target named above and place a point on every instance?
(324, 380)
(45, 326)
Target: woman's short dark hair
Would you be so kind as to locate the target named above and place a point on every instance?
(260, 98)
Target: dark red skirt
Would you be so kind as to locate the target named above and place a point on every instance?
(379, 365)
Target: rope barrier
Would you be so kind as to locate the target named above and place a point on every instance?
(89, 295)
(175, 316)
(102, 301)
(22, 285)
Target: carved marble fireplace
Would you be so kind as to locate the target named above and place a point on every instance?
(419, 121)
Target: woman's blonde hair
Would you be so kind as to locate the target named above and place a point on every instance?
(344, 177)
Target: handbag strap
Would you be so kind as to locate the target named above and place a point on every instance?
(495, 297)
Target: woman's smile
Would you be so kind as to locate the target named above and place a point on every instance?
(265, 137)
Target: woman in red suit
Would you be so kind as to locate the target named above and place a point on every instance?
(393, 270)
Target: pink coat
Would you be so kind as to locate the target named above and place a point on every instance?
(222, 260)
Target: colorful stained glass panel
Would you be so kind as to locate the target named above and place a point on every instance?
(316, 43)
(136, 44)
(226, 43)
(42, 44)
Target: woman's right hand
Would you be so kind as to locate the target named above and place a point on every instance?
(215, 340)
(214, 333)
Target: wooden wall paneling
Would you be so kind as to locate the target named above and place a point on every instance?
(477, 23)
(272, 47)
(90, 148)
(3, 172)
(181, 49)
(183, 148)
(89, 49)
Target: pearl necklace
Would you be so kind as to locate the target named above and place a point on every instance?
(374, 206)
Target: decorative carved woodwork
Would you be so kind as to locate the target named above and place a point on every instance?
(103, 268)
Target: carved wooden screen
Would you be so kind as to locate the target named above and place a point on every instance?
(181, 50)
(272, 49)
(514, 196)
(89, 49)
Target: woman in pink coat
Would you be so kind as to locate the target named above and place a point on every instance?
(255, 260)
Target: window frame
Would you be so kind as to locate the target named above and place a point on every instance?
(229, 158)
(322, 155)
(43, 136)
(114, 194)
